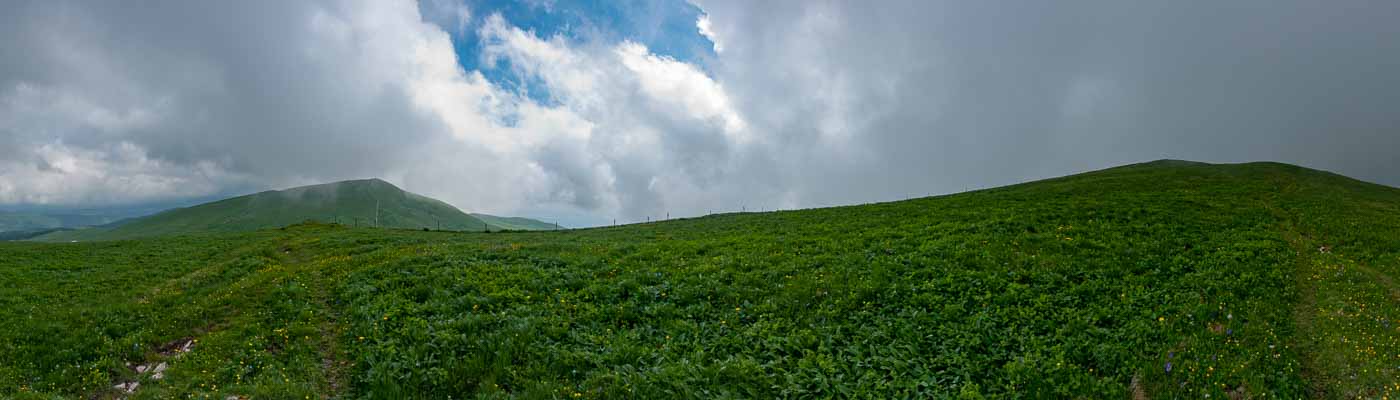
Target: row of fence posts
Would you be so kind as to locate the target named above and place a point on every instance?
(437, 222)
(647, 219)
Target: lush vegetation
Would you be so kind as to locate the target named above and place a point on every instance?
(369, 202)
(1158, 280)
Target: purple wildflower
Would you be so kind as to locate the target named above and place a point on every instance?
(1169, 366)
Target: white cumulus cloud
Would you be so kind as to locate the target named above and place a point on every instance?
(802, 103)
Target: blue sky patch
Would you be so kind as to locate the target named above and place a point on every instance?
(666, 27)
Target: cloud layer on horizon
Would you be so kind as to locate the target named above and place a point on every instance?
(799, 104)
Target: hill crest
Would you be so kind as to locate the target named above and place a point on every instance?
(359, 202)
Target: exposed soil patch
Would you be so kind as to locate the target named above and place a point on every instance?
(176, 347)
(1135, 387)
(1216, 328)
(1239, 393)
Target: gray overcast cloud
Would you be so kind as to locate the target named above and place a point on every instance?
(801, 103)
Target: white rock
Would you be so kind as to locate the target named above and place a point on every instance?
(129, 387)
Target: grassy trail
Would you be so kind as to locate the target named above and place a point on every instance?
(333, 361)
(1338, 338)
(319, 278)
(268, 328)
(1304, 309)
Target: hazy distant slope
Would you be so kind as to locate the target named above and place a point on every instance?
(348, 202)
(31, 221)
(17, 220)
(13, 221)
(515, 223)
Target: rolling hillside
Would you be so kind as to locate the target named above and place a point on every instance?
(369, 202)
(1150, 281)
(516, 223)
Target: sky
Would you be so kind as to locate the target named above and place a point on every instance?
(588, 111)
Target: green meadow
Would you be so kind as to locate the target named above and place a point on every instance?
(1160, 280)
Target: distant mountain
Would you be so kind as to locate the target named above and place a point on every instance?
(11, 221)
(28, 234)
(516, 223)
(368, 202)
(22, 219)
(28, 221)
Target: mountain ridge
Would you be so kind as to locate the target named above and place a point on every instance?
(359, 202)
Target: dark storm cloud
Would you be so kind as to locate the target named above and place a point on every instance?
(939, 96)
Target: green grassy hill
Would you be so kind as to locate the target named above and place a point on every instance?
(1158, 280)
(516, 223)
(350, 203)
